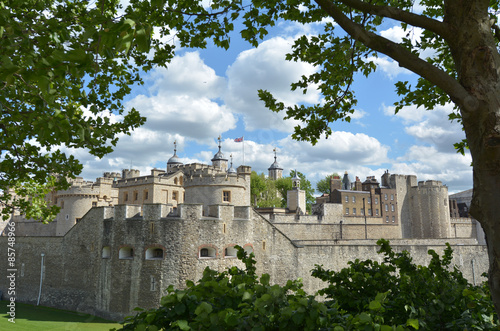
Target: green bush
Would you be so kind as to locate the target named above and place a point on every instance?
(367, 295)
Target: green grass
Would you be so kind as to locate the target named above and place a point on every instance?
(31, 318)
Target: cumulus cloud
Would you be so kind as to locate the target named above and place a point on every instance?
(431, 127)
(428, 162)
(264, 68)
(182, 100)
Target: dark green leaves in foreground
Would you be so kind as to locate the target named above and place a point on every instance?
(367, 295)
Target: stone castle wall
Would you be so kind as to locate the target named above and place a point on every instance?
(86, 271)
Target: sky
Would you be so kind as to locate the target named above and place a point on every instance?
(209, 93)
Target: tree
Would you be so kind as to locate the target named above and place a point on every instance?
(257, 186)
(463, 34)
(65, 67)
(323, 185)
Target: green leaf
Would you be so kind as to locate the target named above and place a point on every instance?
(183, 325)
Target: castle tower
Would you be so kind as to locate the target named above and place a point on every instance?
(174, 162)
(296, 198)
(275, 171)
(219, 161)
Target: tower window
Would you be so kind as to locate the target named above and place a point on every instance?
(226, 196)
(126, 253)
(154, 253)
(207, 252)
(353, 199)
(354, 211)
(347, 211)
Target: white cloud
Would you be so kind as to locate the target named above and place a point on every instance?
(182, 101)
(264, 68)
(431, 127)
(388, 66)
(428, 162)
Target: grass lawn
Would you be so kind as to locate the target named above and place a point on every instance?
(32, 318)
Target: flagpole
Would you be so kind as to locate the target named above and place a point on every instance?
(243, 150)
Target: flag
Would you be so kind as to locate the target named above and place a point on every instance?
(238, 140)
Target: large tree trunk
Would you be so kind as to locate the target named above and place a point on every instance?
(478, 63)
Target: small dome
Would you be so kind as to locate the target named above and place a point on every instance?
(174, 160)
(218, 156)
(275, 166)
(232, 170)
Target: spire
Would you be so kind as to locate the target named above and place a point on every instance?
(231, 170)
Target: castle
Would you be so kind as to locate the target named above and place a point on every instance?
(119, 242)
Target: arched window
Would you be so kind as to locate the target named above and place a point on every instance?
(106, 252)
(207, 252)
(248, 248)
(126, 252)
(230, 251)
(154, 253)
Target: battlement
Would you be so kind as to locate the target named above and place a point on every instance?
(155, 211)
(432, 183)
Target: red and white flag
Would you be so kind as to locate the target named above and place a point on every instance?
(238, 140)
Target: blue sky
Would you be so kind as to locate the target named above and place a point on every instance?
(212, 92)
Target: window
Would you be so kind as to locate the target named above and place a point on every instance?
(354, 211)
(62, 204)
(385, 196)
(146, 195)
(393, 219)
(207, 252)
(136, 196)
(353, 199)
(94, 203)
(346, 198)
(347, 211)
(376, 212)
(386, 207)
(126, 253)
(362, 211)
(392, 197)
(369, 212)
(248, 249)
(369, 200)
(230, 252)
(392, 207)
(125, 197)
(154, 253)
(175, 181)
(376, 201)
(174, 195)
(106, 252)
(387, 219)
(226, 196)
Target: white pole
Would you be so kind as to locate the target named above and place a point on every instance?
(41, 280)
(243, 150)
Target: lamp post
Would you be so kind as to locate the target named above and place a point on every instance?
(364, 212)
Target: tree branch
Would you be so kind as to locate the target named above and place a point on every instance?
(404, 16)
(404, 57)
